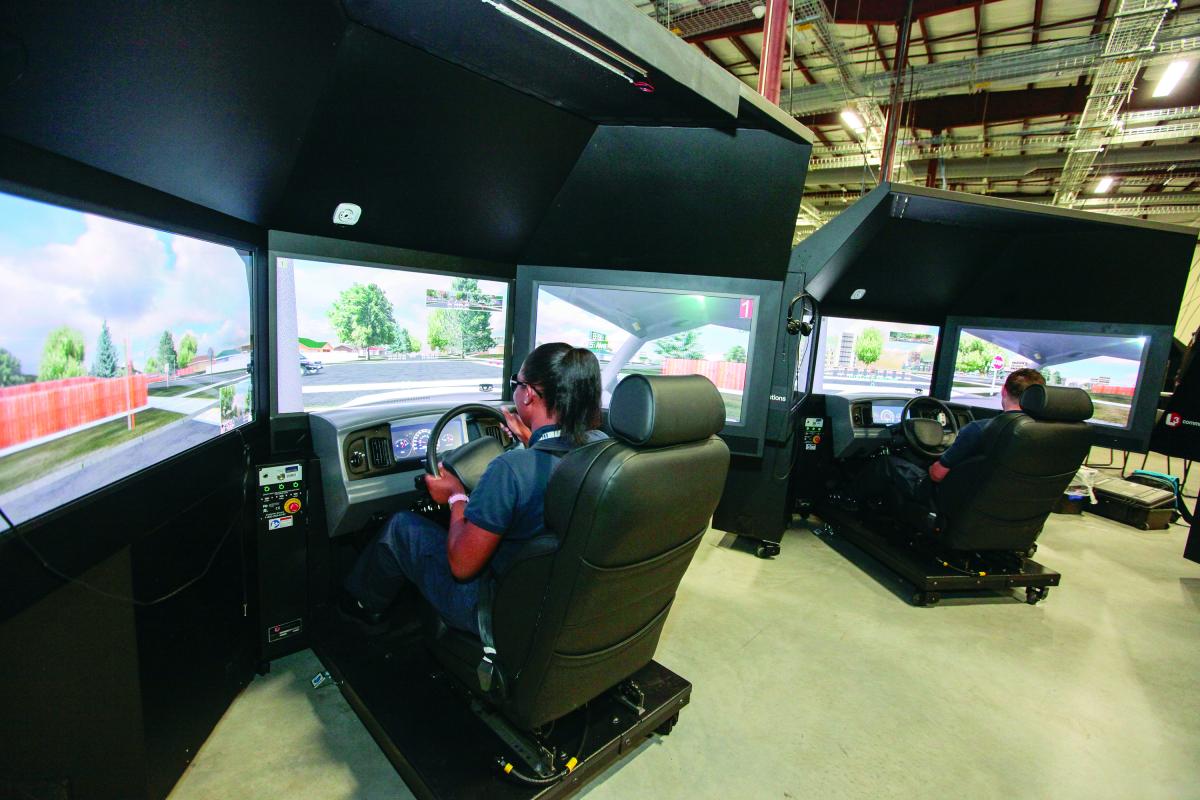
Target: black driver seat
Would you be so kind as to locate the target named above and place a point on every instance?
(1000, 499)
(582, 606)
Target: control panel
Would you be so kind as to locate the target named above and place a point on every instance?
(813, 428)
(281, 495)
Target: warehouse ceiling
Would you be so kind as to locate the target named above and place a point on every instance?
(1047, 101)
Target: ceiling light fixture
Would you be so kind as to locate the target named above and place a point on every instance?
(1171, 78)
(1103, 185)
(577, 43)
(853, 121)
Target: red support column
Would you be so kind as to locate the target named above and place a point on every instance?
(770, 68)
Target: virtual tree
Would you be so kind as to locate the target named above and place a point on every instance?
(363, 316)
(187, 350)
(10, 369)
(106, 364)
(462, 331)
(681, 345)
(62, 355)
(868, 347)
(167, 357)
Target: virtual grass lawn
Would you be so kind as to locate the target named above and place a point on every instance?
(30, 464)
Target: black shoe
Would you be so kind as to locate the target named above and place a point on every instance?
(353, 609)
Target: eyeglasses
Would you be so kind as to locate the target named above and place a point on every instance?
(514, 382)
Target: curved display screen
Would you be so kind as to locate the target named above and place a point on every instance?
(120, 346)
(862, 355)
(655, 332)
(350, 335)
(1107, 367)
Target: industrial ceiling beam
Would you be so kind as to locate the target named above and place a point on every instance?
(878, 48)
(925, 40)
(745, 50)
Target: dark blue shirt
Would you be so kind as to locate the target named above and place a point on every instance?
(969, 442)
(510, 498)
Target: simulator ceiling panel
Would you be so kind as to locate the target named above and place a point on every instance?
(679, 200)
(207, 100)
(439, 158)
(916, 254)
(579, 131)
(601, 62)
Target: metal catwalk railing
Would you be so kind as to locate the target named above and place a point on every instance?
(1131, 37)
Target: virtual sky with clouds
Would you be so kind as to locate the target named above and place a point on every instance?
(62, 267)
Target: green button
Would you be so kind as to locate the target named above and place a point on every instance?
(266, 488)
(295, 483)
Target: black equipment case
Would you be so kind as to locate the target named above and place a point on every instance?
(1144, 507)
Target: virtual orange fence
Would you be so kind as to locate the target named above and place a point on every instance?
(34, 410)
(1103, 389)
(729, 375)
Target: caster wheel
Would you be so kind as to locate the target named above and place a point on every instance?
(920, 599)
(767, 550)
(1035, 594)
(667, 726)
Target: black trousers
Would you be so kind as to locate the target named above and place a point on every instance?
(894, 483)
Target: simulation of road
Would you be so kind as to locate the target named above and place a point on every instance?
(63, 486)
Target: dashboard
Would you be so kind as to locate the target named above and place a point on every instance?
(860, 424)
(372, 456)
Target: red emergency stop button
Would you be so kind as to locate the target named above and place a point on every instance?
(817, 439)
(291, 505)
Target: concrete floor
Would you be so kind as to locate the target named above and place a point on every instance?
(814, 678)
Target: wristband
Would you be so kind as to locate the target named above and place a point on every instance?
(454, 498)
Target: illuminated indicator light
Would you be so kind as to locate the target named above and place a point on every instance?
(1103, 185)
(1171, 78)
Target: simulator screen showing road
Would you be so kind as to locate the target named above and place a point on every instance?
(351, 336)
(654, 332)
(880, 358)
(120, 346)
(1106, 367)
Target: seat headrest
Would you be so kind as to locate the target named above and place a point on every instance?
(1058, 403)
(661, 410)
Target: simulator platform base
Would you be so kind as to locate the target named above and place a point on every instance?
(930, 578)
(424, 723)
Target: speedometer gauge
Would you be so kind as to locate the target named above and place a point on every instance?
(402, 445)
(420, 441)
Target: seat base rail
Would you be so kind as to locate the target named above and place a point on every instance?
(423, 720)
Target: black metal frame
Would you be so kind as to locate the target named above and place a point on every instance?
(930, 576)
(433, 732)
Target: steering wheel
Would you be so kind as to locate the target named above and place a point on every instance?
(927, 436)
(468, 461)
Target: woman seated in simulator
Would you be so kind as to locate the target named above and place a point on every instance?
(894, 480)
(557, 398)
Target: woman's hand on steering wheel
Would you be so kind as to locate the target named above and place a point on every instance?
(442, 488)
(516, 426)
